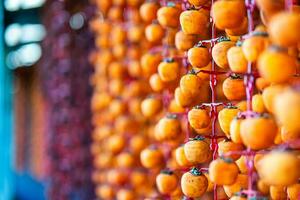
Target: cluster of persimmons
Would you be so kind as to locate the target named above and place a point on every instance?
(196, 99)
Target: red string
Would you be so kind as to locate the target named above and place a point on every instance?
(214, 113)
(249, 82)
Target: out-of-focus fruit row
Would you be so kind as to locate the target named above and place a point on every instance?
(196, 99)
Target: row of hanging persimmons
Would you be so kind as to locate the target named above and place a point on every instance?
(144, 93)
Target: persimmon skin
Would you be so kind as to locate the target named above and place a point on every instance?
(270, 6)
(183, 99)
(134, 107)
(168, 16)
(101, 133)
(193, 186)
(242, 105)
(219, 53)
(204, 76)
(273, 166)
(134, 68)
(270, 65)
(175, 108)
(263, 187)
(154, 33)
(289, 136)
(197, 151)
(199, 56)
(234, 89)
(115, 13)
(168, 128)
(138, 178)
(258, 103)
(293, 191)
(198, 2)
(125, 194)
(116, 70)
(240, 183)
(115, 143)
(105, 192)
(151, 107)
(241, 163)
(284, 29)
(117, 107)
(225, 117)
(193, 21)
(181, 157)
(269, 95)
(198, 118)
(168, 70)
(135, 33)
(137, 144)
(228, 14)
(119, 2)
(236, 60)
(191, 84)
(134, 3)
(235, 133)
(241, 30)
(261, 83)
(103, 6)
(156, 83)
(148, 11)
(254, 46)
(118, 35)
(184, 41)
(151, 158)
(229, 146)
(116, 177)
(149, 63)
(259, 132)
(287, 109)
(166, 183)
(222, 172)
(277, 192)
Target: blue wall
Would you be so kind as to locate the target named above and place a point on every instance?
(6, 136)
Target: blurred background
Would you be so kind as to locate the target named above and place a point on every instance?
(44, 99)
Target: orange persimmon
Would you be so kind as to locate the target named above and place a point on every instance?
(228, 14)
(287, 109)
(198, 118)
(219, 51)
(284, 29)
(236, 60)
(199, 56)
(226, 115)
(168, 127)
(184, 41)
(272, 168)
(227, 146)
(166, 182)
(234, 88)
(193, 183)
(154, 33)
(193, 21)
(197, 150)
(148, 11)
(270, 65)
(168, 70)
(181, 157)
(223, 171)
(151, 106)
(258, 132)
(168, 16)
(152, 157)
